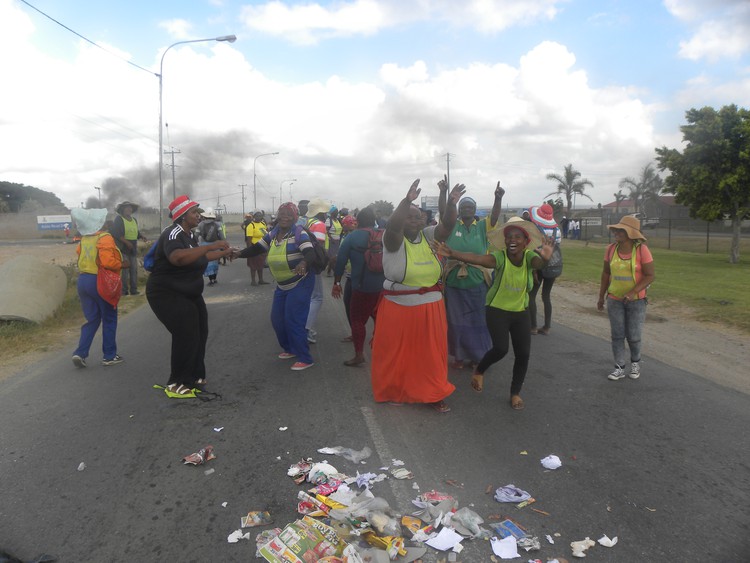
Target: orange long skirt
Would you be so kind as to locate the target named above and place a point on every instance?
(410, 353)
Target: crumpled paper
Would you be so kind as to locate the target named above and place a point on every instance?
(237, 535)
(348, 453)
(606, 542)
(579, 547)
(551, 462)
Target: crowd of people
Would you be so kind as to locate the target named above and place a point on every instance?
(455, 286)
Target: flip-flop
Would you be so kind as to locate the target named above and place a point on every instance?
(456, 365)
(178, 392)
(516, 403)
(477, 382)
(347, 339)
(440, 406)
(354, 364)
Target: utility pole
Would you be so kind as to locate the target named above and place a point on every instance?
(243, 186)
(174, 187)
(448, 165)
(273, 202)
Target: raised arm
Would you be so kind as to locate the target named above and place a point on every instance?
(499, 193)
(393, 237)
(448, 219)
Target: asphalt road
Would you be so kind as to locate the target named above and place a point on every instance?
(663, 463)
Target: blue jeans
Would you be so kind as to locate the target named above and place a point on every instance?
(316, 301)
(288, 315)
(626, 322)
(97, 311)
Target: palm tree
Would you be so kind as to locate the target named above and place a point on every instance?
(569, 185)
(646, 188)
(619, 196)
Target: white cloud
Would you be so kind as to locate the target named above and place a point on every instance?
(310, 23)
(177, 28)
(721, 29)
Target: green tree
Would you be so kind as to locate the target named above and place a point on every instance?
(19, 197)
(647, 187)
(568, 185)
(382, 208)
(619, 196)
(712, 174)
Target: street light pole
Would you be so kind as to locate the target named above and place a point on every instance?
(228, 39)
(100, 194)
(281, 197)
(255, 195)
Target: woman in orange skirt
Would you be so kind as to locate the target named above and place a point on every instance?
(410, 345)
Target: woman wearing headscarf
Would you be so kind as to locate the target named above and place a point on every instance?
(544, 218)
(289, 252)
(410, 345)
(175, 293)
(209, 231)
(96, 249)
(628, 271)
(466, 285)
(508, 298)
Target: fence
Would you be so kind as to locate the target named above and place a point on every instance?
(684, 233)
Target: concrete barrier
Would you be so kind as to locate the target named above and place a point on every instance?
(30, 289)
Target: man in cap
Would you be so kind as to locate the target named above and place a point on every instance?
(126, 234)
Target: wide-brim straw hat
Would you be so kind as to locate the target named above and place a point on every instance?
(124, 204)
(497, 235)
(317, 206)
(88, 221)
(630, 225)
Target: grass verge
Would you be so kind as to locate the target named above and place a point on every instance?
(708, 284)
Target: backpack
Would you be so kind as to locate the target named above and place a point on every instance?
(148, 259)
(374, 251)
(321, 256)
(210, 231)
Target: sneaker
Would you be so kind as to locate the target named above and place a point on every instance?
(78, 361)
(617, 373)
(311, 337)
(112, 361)
(286, 355)
(299, 366)
(635, 370)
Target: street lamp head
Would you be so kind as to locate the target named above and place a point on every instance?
(227, 38)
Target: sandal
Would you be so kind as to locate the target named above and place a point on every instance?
(354, 362)
(456, 365)
(516, 402)
(201, 381)
(440, 406)
(534, 331)
(477, 382)
(346, 339)
(544, 330)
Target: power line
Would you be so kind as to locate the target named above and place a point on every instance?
(87, 39)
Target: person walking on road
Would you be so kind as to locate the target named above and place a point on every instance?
(508, 298)
(289, 252)
(209, 231)
(175, 293)
(627, 273)
(316, 211)
(127, 234)
(255, 231)
(410, 345)
(544, 218)
(97, 250)
(366, 283)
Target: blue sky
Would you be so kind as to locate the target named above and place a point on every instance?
(359, 97)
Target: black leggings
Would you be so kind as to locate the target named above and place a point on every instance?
(546, 284)
(517, 325)
(186, 319)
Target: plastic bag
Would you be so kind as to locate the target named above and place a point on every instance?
(348, 453)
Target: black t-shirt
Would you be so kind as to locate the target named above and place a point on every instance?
(188, 279)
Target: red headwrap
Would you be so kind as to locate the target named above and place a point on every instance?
(289, 206)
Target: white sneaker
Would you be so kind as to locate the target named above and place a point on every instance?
(635, 370)
(311, 334)
(79, 361)
(617, 373)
